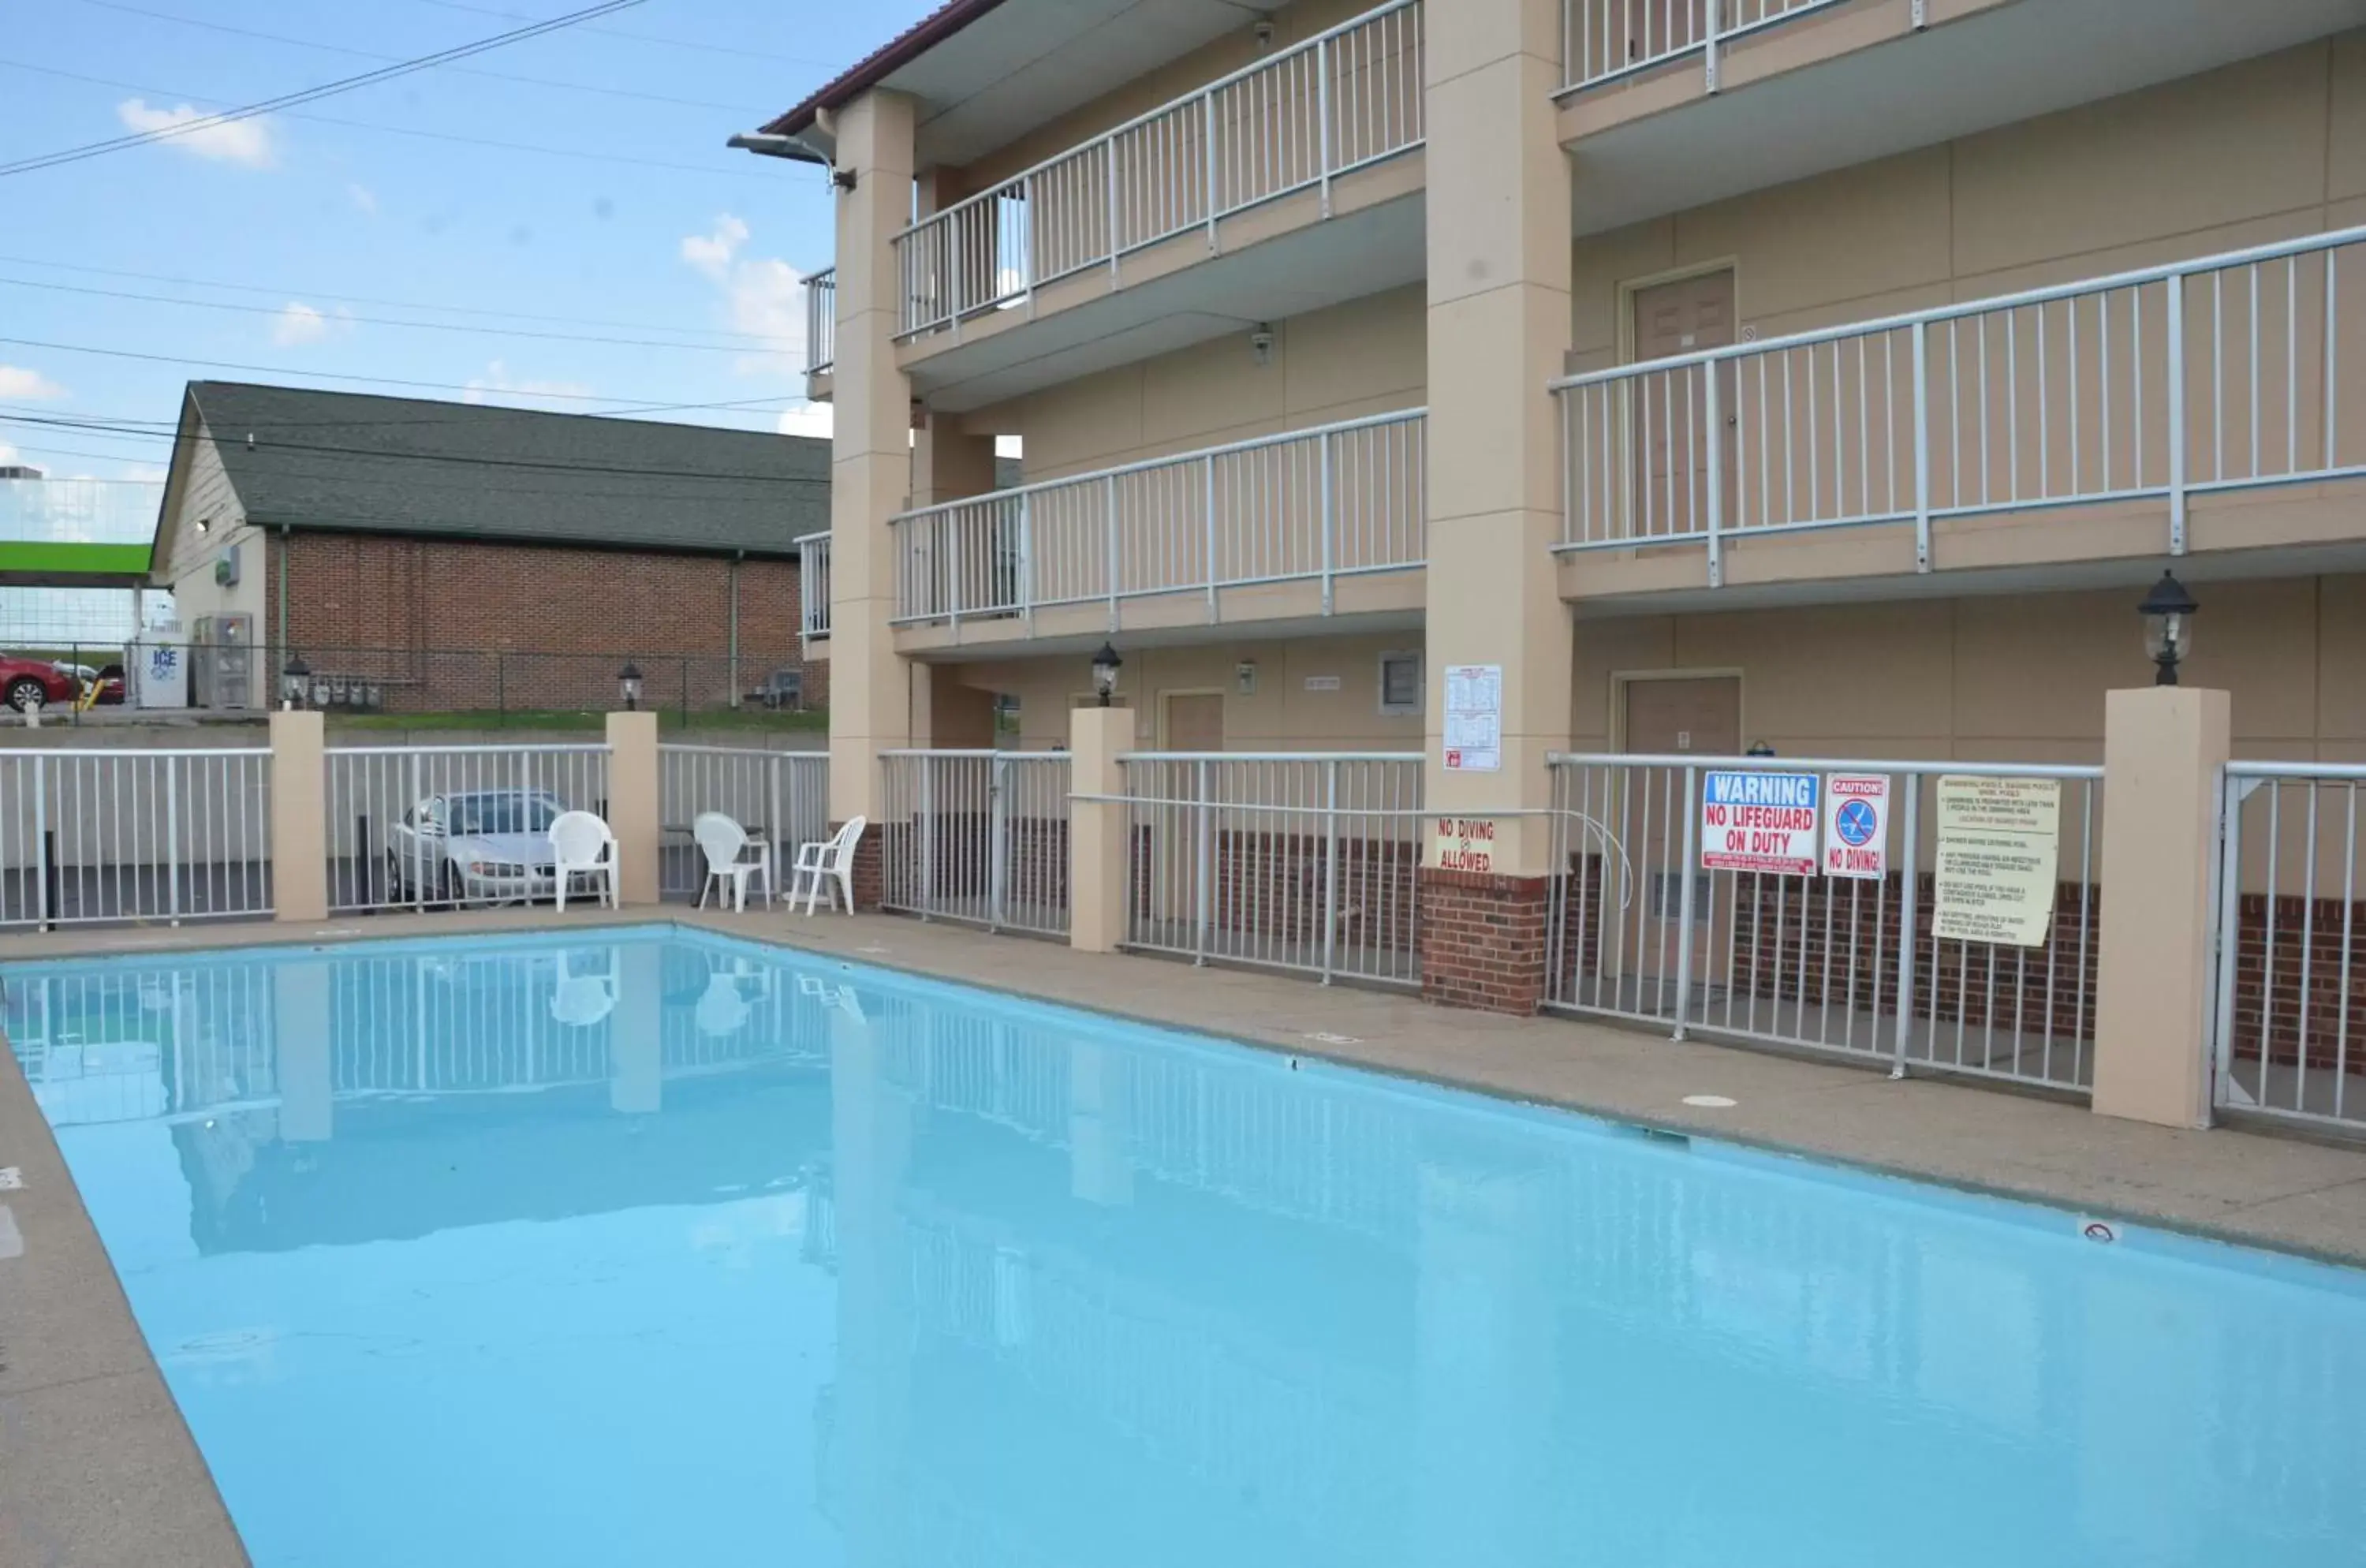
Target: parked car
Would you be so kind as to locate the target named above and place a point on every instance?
(782, 689)
(477, 846)
(29, 683)
(108, 679)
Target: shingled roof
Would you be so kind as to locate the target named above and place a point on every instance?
(355, 462)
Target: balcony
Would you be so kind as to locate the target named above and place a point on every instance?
(1294, 142)
(821, 322)
(813, 587)
(1305, 526)
(2203, 406)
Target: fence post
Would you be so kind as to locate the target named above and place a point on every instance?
(1327, 509)
(2176, 359)
(1100, 847)
(1686, 879)
(1909, 849)
(773, 821)
(1203, 857)
(1208, 164)
(299, 836)
(925, 824)
(997, 822)
(1715, 480)
(45, 904)
(1922, 446)
(1330, 867)
(1324, 154)
(1109, 507)
(173, 839)
(1026, 564)
(1208, 498)
(634, 814)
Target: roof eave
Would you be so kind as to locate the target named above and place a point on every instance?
(877, 66)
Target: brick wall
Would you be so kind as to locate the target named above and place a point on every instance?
(425, 619)
(958, 868)
(2327, 939)
(1482, 939)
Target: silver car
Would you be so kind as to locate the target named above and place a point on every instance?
(487, 846)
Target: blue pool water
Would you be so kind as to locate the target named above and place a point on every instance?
(667, 1250)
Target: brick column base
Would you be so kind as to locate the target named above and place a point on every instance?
(870, 866)
(1483, 941)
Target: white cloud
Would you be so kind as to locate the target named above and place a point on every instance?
(247, 141)
(7, 454)
(22, 385)
(712, 254)
(805, 419)
(151, 472)
(497, 382)
(762, 296)
(297, 323)
(363, 198)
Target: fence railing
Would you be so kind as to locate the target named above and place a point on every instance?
(1302, 861)
(1339, 501)
(821, 320)
(129, 836)
(421, 827)
(1296, 120)
(980, 837)
(1604, 40)
(2291, 985)
(781, 798)
(1647, 924)
(2218, 374)
(813, 585)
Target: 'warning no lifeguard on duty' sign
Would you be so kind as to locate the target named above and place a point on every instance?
(1760, 821)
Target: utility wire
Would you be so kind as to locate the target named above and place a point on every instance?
(461, 413)
(308, 95)
(732, 50)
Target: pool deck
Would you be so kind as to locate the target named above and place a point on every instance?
(96, 1468)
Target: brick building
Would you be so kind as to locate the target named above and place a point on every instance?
(428, 556)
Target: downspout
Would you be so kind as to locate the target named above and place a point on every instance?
(734, 627)
(283, 598)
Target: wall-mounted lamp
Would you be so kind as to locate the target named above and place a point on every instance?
(1261, 344)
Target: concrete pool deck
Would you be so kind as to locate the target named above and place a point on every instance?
(96, 1468)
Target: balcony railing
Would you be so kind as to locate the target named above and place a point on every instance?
(1604, 40)
(1340, 501)
(1342, 99)
(813, 585)
(2218, 374)
(821, 320)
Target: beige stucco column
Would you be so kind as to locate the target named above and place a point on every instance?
(871, 458)
(1498, 318)
(302, 1036)
(2165, 752)
(947, 462)
(633, 811)
(635, 1032)
(1097, 846)
(299, 818)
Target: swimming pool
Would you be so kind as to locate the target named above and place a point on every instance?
(663, 1248)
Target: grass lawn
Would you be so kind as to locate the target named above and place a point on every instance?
(752, 718)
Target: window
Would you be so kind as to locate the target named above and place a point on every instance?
(1401, 683)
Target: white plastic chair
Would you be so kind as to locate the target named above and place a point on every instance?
(722, 840)
(826, 861)
(581, 1000)
(583, 846)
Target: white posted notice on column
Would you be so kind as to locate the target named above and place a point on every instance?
(1474, 718)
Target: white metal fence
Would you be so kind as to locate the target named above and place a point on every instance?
(1604, 40)
(412, 826)
(1302, 861)
(2291, 985)
(133, 836)
(2218, 374)
(821, 320)
(129, 1044)
(1640, 929)
(781, 798)
(1343, 499)
(813, 585)
(977, 836)
(1294, 120)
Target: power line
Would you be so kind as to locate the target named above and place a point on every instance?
(283, 370)
(733, 51)
(461, 413)
(306, 94)
(755, 339)
(732, 172)
(777, 344)
(373, 55)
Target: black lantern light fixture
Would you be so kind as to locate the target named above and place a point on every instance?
(628, 683)
(2167, 613)
(294, 683)
(1106, 664)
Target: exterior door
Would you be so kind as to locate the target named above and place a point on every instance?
(1195, 722)
(1685, 715)
(1190, 850)
(1697, 714)
(1669, 412)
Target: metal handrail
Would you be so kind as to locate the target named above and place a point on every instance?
(1819, 764)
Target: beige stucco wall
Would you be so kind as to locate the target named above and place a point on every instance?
(1281, 715)
(2260, 151)
(1363, 357)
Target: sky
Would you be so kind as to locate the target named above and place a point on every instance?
(596, 200)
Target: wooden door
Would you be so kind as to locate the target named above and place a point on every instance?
(1699, 714)
(1669, 411)
(1195, 722)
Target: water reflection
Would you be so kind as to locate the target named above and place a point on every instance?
(922, 1279)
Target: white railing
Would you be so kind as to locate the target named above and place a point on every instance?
(2218, 374)
(116, 1044)
(1641, 926)
(813, 585)
(420, 827)
(96, 836)
(781, 798)
(977, 836)
(1341, 500)
(821, 320)
(2291, 985)
(1602, 41)
(1301, 861)
(1297, 119)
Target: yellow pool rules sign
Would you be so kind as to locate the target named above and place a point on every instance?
(1998, 843)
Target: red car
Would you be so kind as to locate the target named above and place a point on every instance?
(24, 682)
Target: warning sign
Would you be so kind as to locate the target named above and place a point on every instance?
(1857, 825)
(1464, 843)
(1763, 822)
(1474, 718)
(1998, 840)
